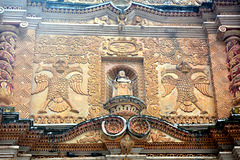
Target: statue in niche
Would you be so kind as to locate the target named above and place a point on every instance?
(122, 85)
(57, 97)
(185, 87)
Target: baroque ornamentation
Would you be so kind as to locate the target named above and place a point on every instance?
(23, 74)
(57, 98)
(76, 49)
(185, 86)
(151, 84)
(221, 83)
(172, 2)
(7, 58)
(114, 128)
(102, 21)
(94, 136)
(170, 51)
(126, 144)
(176, 50)
(233, 52)
(139, 127)
(125, 106)
(121, 20)
(122, 47)
(122, 85)
(158, 136)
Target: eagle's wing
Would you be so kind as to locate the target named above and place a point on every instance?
(42, 83)
(202, 84)
(75, 82)
(169, 83)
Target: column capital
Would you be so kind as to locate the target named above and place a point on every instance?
(9, 28)
(227, 33)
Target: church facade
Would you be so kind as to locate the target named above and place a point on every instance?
(119, 80)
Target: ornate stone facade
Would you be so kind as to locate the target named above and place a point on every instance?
(126, 80)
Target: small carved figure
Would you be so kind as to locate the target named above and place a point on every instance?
(185, 87)
(121, 19)
(58, 85)
(101, 21)
(126, 144)
(122, 85)
(92, 137)
(139, 22)
(158, 136)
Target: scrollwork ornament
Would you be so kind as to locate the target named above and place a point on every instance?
(122, 47)
(138, 126)
(114, 128)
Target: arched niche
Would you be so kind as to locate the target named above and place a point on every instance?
(112, 74)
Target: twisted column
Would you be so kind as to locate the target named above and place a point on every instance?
(8, 39)
(231, 37)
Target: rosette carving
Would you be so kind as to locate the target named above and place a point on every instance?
(138, 126)
(114, 127)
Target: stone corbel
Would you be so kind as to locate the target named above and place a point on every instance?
(231, 36)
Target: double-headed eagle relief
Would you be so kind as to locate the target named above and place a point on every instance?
(185, 86)
(58, 86)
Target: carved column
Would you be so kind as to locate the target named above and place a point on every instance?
(231, 37)
(8, 37)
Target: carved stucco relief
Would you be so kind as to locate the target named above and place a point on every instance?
(158, 54)
(165, 53)
(80, 52)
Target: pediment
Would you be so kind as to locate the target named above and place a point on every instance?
(106, 128)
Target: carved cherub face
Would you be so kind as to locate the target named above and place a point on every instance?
(122, 74)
